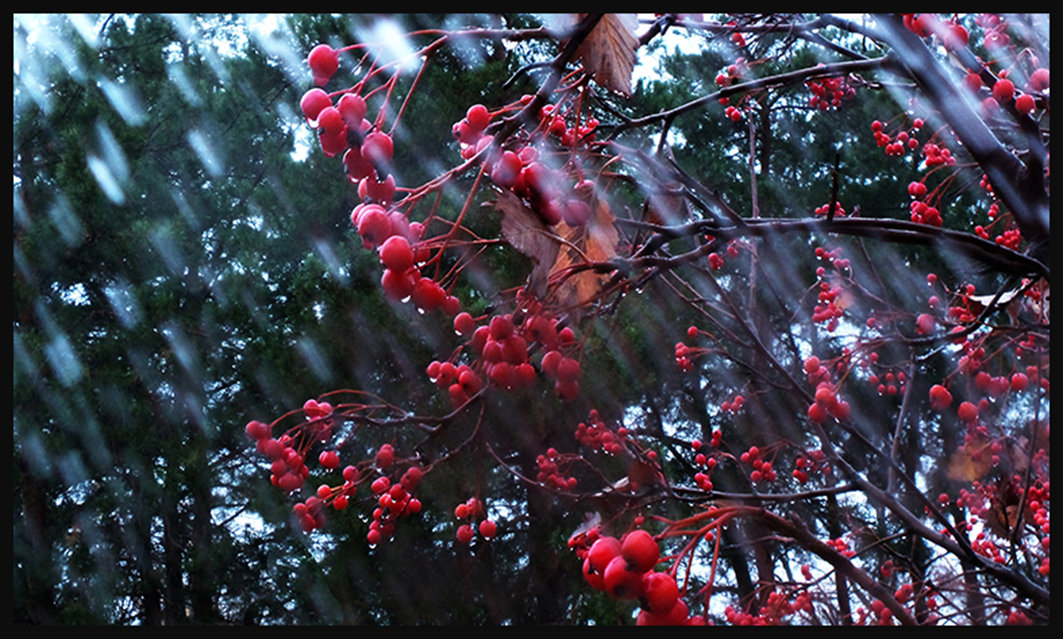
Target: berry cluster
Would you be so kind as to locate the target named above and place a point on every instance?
(287, 453)
(596, 435)
(703, 477)
(763, 470)
(552, 470)
(551, 192)
(624, 568)
(813, 461)
(825, 401)
(470, 512)
(828, 93)
(394, 499)
(773, 612)
(501, 348)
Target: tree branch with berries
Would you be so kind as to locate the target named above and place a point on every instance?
(815, 373)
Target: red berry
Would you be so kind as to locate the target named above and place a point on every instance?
(601, 552)
(396, 254)
(353, 109)
(478, 117)
(464, 324)
(428, 295)
(640, 549)
(659, 591)
(924, 324)
(464, 533)
(313, 102)
(385, 455)
(380, 485)
(967, 412)
(940, 397)
(374, 225)
(1003, 90)
(1025, 103)
(329, 459)
(378, 148)
(506, 169)
(620, 581)
(817, 414)
(1039, 79)
(257, 430)
(371, 188)
(568, 369)
(811, 364)
(330, 121)
(488, 529)
(594, 578)
(575, 212)
(399, 284)
(323, 61)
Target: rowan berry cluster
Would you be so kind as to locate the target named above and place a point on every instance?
(473, 515)
(394, 499)
(553, 470)
(828, 93)
(707, 463)
(596, 435)
(825, 401)
(624, 568)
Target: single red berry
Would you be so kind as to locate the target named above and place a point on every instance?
(478, 117)
(313, 102)
(1039, 79)
(464, 533)
(601, 552)
(967, 412)
(1003, 90)
(380, 485)
(329, 459)
(323, 61)
(464, 324)
(353, 109)
(374, 225)
(593, 577)
(385, 456)
(399, 284)
(506, 169)
(257, 430)
(640, 549)
(488, 528)
(428, 295)
(659, 591)
(1025, 103)
(396, 254)
(568, 369)
(378, 148)
(924, 324)
(621, 581)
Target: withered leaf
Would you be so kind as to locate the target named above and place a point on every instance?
(971, 461)
(525, 231)
(593, 242)
(609, 51)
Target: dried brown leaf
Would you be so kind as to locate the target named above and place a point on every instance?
(970, 462)
(609, 51)
(525, 231)
(593, 242)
